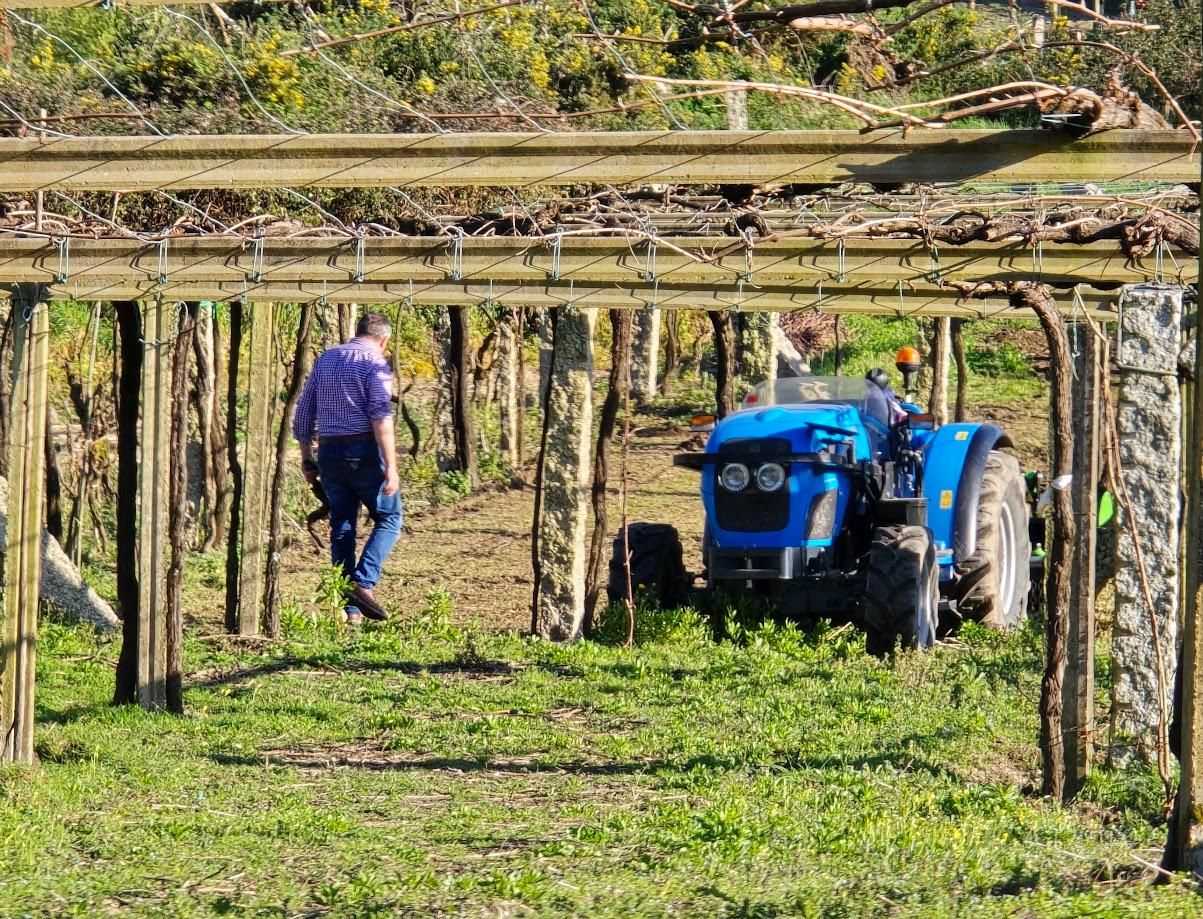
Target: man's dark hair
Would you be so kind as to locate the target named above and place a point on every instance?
(375, 325)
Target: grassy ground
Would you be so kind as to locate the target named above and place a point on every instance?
(422, 768)
(441, 764)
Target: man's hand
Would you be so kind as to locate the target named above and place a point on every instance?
(392, 482)
(385, 440)
(310, 470)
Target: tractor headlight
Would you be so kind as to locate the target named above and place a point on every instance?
(821, 520)
(734, 477)
(770, 476)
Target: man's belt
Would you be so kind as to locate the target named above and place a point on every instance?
(365, 436)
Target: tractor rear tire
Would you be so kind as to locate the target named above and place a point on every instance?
(902, 590)
(992, 587)
(657, 566)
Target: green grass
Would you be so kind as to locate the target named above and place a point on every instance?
(425, 768)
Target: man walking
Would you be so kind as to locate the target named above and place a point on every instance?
(347, 404)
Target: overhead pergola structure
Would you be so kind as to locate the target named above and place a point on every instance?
(886, 276)
(658, 260)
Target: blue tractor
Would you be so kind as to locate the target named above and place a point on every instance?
(830, 498)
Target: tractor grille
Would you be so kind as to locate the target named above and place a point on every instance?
(752, 510)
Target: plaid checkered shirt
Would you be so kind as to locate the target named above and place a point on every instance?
(350, 387)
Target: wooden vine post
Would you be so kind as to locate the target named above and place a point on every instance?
(616, 395)
(180, 350)
(237, 479)
(154, 464)
(127, 386)
(256, 468)
(1078, 691)
(23, 538)
(1185, 849)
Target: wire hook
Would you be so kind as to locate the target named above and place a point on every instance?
(457, 253)
(162, 277)
(557, 249)
(360, 243)
(64, 259)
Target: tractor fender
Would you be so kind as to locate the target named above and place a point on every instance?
(954, 461)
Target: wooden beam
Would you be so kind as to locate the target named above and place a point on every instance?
(154, 461)
(1078, 688)
(261, 396)
(23, 537)
(693, 260)
(866, 298)
(144, 163)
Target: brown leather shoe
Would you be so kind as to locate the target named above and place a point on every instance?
(364, 598)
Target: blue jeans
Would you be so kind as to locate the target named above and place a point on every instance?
(353, 474)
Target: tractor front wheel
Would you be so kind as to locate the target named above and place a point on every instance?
(902, 590)
(992, 587)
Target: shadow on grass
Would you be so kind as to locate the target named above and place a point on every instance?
(336, 666)
(370, 757)
(376, 760)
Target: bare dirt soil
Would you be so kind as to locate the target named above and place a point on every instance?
(479, 549)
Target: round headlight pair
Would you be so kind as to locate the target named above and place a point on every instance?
(736, 477)
(770, 476)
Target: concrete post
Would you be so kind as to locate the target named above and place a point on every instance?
(560, 528)
(443, 422)
(1149, 419)
(760, 336)
(509, 413)
(645, 355)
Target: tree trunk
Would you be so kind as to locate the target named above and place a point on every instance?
(461, 396)
(958, 354)
(129, 328)
(724, 359)
(301, 360)
(443, 424)
(620, 380)
(54, 482)
(177, 525)
(236, 478)
(672, 348)
(85, 407)
(346, 321)
(1040, 300)
(508, 395)
(206, 410)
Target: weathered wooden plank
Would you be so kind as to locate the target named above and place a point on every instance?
(142, 163)
(23, 538)
(695, 260)
(261, 395)
(863, 298)
(154, 461)
(1078, 689)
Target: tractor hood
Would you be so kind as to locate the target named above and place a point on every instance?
(807, 427)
